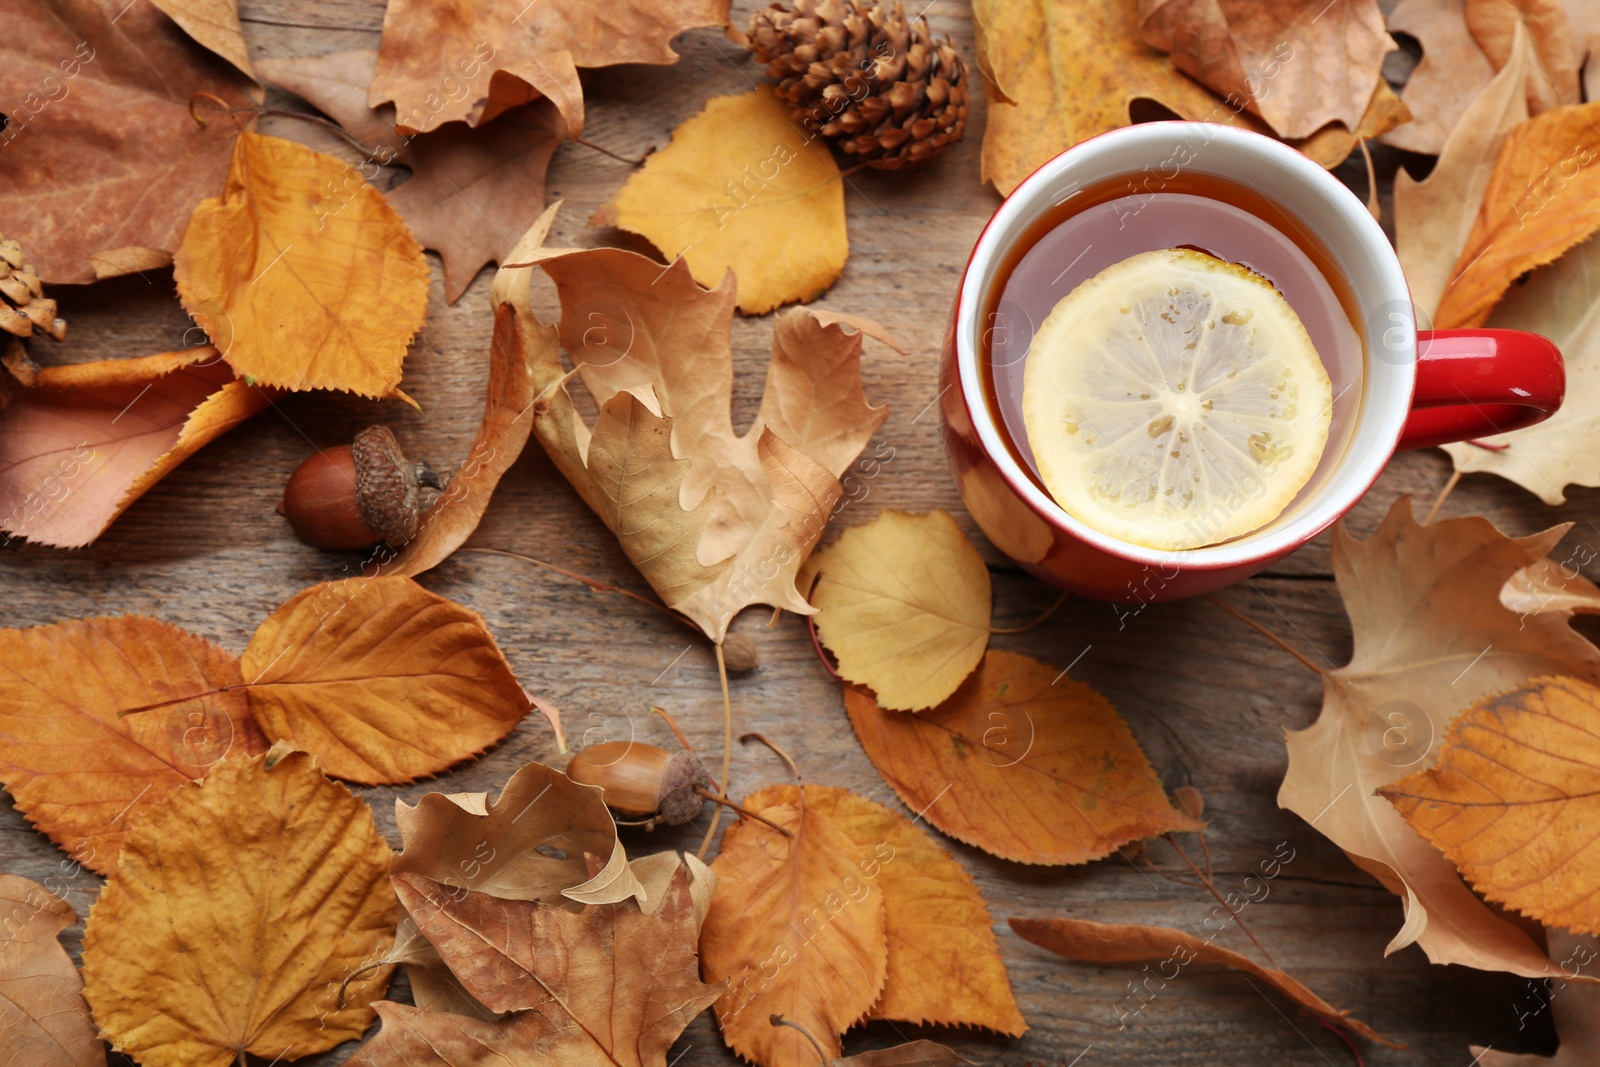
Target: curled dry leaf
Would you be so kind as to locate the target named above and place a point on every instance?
(919, 1053)
(903, 603)
(1451, 73)
(1562, 302)
(1512, 797)
(1542, 198)
(1092, 942)
(1299, 64)
(743, 188)
(382, 680)
(42, 1012)
(468, 193)
(197, 951)
(470, 64)
(714, 521)
(1549, 585)
(77, 770)
(1430, 634)
(214, 24)
(81, 442)
(78, 77)
(1493, 23)
(1434, 217)
(1049, 752)
(301, 273)
(1574, 1008)
(797, 927)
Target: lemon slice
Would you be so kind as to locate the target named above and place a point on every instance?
(1174, 400)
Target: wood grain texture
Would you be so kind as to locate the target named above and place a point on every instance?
(1208, 698)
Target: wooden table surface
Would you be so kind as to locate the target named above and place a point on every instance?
(1208, 698)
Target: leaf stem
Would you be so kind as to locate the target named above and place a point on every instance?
(794, 768)
(727, 752)
(182, 700)
(619, 158)
(1264, 632)
(1211, 887)
(779, 1020)
(1455, 476)
(725, 802)
(1051, 610)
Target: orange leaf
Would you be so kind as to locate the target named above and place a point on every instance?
(1543, 198)
(42, 1013)
(214, 24)
(86, 440)
(1515, 798)
(944, 964)
(798, 926)
(380, 679)
(302, 273)
(78, 771)
(1020, 738)
(1092, 942)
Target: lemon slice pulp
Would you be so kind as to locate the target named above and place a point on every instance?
(1175, 400)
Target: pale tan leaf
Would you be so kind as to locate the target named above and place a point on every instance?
(1452, 72)
(214, 24)
(1493, 23)
(42, 1013)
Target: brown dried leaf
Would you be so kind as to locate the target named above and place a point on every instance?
(919, 1053)
(239, 906)
(42, 1013)
(214, 24)
(1430, 634)
(1574, 1007)
(81, 442)
(1451, 74)
(1298, 64)
(1092, 942)
(382, 680)
(100, 152)
(1493, 24)
(1547, 586)
(1020, 738)
(75, 768)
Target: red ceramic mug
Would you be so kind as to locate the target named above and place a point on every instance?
(1409, 389)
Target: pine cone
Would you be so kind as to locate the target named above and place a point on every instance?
(874, 83)
(23, 307)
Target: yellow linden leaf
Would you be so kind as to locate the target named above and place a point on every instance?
(238, 908)
(903, 603)
(741, 188)
(302, 273)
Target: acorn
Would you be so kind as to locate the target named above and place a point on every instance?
(353, 496)
(650, 783)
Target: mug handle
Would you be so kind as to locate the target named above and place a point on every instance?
(1473, 383)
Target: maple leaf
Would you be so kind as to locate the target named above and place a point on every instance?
(443, 62)
(1080, 939)
(1542, 198)
(1555, 81)
(469, 192)
(215, 25)
(1445, 82)
(1561, 302)
(79, 443)
(1433, 218)
(1063, 72)
(1020, 738)
(199, 948)
(1300, 64)
(306, 269)
(607, 984)
(715, 521)
(742, 188)
(1431, 635)
(903, 603)
(42, 1012)
(79, 77)
(381, 679)
(76, 769)
(1515, 785)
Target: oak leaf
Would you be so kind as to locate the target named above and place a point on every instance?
(1430, 635)
(382, 680)
(306, 269)
(1021, 738)
(1445, 82)
(1512, 797)
(238, 908)
(714, 520)
(42, 1012)
(469, 193)
(1298, 64)
(743, 188)
(1434, 218)
(79, 443)
(903, 603)
(75, 768)
(100, 153)
(1562, 302)
(1092, 942)
(1543, 197)
(214, 24)
(797, 926)
(608, 983)
(440, 63)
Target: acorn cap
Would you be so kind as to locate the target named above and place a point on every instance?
(387, 484)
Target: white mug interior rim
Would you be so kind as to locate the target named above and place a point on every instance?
(1342, 225)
